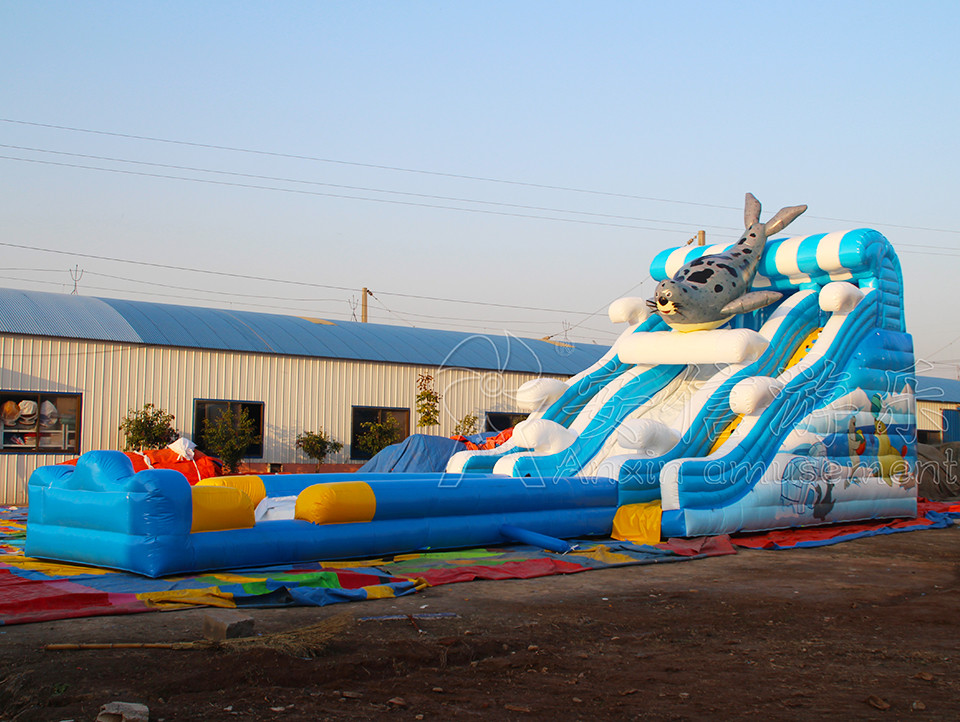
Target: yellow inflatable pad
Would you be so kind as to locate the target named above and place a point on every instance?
(336, 503)
(220, 507)
(638, 523)
(250, 485)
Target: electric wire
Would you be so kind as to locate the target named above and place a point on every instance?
(587, 316)
(250, 277)
(373, 296)
(365, 189)
(341, 196)
(140, 282)
(158, 294)
(447, 321)
(377, 166)
(600, 309)
(436, 206)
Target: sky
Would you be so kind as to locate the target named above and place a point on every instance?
(499, 167)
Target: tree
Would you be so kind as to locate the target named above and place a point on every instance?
(318, 445)
(428, 402)
(229, 436)
(466, 426)
(149, 428)
(378, 435)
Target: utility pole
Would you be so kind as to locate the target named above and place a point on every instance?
(701, 238)
(76, 274)
(363, 304)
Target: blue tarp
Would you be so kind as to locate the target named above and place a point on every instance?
(419, 452)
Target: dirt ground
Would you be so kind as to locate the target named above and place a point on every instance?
(862, 630)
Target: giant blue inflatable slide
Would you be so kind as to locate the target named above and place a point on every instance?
(799, 411)
(801, 414)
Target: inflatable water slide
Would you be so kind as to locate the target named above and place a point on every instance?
(802, 414)
(768, 384)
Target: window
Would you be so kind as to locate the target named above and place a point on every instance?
(210, 410)
(375, 414)
(36, 422)
(498, 421)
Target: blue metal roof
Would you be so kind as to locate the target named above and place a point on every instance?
(36, 313)
(932, 388)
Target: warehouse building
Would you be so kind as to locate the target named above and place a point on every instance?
(74, 366)
(938, 410)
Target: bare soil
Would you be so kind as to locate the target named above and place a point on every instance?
(861, 630)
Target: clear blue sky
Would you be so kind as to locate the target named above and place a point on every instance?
(425, 133)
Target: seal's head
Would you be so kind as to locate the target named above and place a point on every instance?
(666, 298)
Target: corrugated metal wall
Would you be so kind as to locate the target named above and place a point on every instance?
(299, 394)
(930, 414)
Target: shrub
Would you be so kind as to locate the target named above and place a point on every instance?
(377, 435)
(318, 445)
(466, 426)
(428, 402)
(149, 428)
(229, 436)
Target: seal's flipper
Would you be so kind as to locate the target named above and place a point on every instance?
(784, 217)
(751, 302)
(751, 211)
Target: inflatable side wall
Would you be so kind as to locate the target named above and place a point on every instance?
(154, 523)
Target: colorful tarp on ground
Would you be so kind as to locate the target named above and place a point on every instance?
(33, 591)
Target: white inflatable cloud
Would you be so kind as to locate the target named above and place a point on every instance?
(544, 437)
(648, 436)
(538, 394)
(721, 346)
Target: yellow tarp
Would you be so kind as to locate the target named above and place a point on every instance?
(186, 598)
(638, 523)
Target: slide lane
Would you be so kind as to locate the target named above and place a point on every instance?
(582, 388)
(702, 488)
(710, 413)
(599, 424)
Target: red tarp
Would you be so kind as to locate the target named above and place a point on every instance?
(201, 467)
(40, 600)
(930, 515)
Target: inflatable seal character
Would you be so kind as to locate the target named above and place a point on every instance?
(709, 291)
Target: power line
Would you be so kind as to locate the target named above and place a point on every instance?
(375, 166)
(485, 325)
(922, 245)
(366, 189)
(157, 294)
(437, 320)
(601, 308)
(139, 282)
(586, 315)
(944, 347)
(248, 277)
(930, 253)
(393, 313)
(341, 196)
(218, 293)
(442, 174)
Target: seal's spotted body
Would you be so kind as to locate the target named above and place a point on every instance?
(709, 291)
